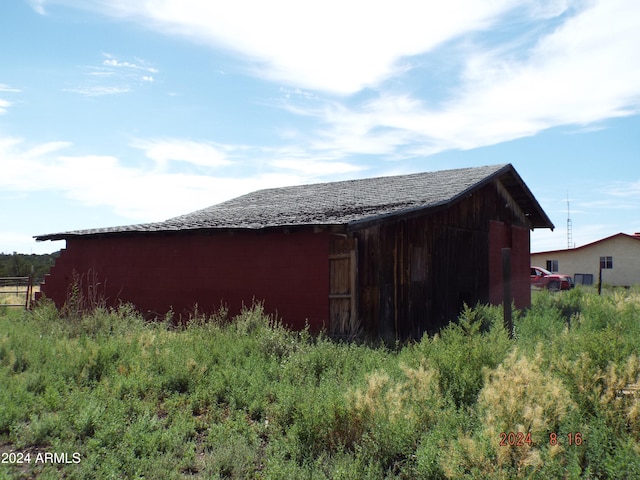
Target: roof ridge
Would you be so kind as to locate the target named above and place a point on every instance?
(338, 183)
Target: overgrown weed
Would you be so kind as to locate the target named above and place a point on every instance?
(248, 398)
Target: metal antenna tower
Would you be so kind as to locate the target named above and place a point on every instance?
(569, 225)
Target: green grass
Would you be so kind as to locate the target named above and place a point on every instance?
(248, 398)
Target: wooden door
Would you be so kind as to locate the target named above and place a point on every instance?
(343, 266)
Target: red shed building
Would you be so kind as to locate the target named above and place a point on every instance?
(390, 257)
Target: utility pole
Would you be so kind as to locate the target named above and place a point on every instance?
(569, 225)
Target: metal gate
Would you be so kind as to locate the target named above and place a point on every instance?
(13, 289)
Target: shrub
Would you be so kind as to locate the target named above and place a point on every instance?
(247, 398)
(517, 397)
(462, 350)
(389, 415)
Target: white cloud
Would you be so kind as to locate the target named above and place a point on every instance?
(583, 72)
(100, 180)
(142, 194)
(114, 63)
(572, 63)
(547, 8)
(331, 45)
(204, 154)
(6, 88)
(4, 104)
(101, 73)
(628, 190)
(113, 77)
(42, 149)
(22, 242)
(99, 90)
(38, 6)
(111, 61)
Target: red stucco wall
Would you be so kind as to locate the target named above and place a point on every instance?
(288, 271)
(502, 236)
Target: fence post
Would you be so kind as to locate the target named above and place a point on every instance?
(600, 281)
(506, 292)
(27, 303)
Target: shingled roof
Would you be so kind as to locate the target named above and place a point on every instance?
(350, 203)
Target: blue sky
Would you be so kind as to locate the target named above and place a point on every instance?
(116, 111)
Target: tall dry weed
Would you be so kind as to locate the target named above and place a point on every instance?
(414, 398)
(619, 395)
(390, 415)
(517, 397)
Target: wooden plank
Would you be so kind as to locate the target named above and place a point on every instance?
(339, 311)
(506, 299)
(355, 321)
(343, 285)
(339, 281)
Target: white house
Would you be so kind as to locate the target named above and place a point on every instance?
(617, 255)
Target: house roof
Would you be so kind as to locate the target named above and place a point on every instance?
(587, 245)
(350, 203)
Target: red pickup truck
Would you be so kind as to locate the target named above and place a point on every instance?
(543, 278)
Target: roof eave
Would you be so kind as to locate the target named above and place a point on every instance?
(316, 227)
(531, 208)
(536, 215)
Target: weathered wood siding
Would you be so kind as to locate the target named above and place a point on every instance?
(415, 273)
(343, 269)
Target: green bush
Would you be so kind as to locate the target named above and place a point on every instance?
(248, 398)
(462, 351)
